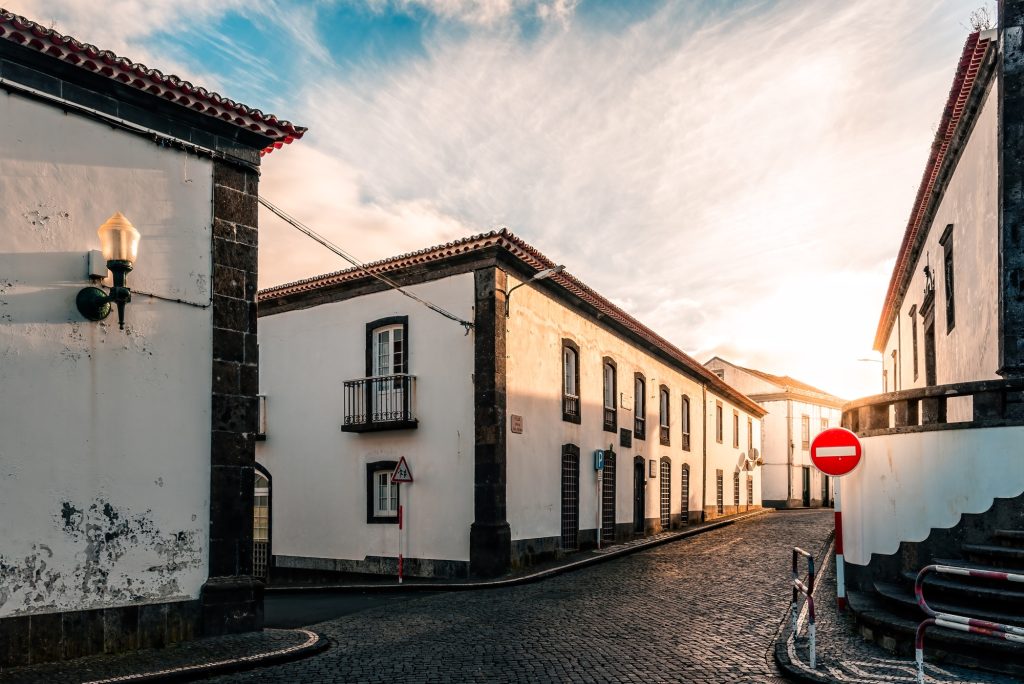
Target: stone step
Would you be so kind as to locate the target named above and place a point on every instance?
(902, 602)
(984, 594)
(896, 633)
(1009, 537)
(1004, 557)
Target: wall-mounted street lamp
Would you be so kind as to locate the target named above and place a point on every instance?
(539, 275)
(119, 242)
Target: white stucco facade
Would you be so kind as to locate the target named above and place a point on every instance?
(789, 478)
(970, 351)
(105, 433)
(319, 492)
(318, 334)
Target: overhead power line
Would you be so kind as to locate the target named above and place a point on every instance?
(309, 232)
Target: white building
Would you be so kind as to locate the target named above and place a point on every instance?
(797, 413)
(498, 419)
(126, 459)
(942, 477)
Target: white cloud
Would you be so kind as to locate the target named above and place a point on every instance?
(483, 12)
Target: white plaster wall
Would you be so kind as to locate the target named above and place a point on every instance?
(535, 328)
(319, 472)
(745, 382)
(906, 485)
(104, 434)
(971, 350)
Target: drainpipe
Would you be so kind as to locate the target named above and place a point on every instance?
(704, 463)
(789, 451)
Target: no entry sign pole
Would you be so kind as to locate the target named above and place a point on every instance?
(399, 543)
(837, 452)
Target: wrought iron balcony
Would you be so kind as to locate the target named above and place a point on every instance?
(638, 428)
(610, 420)
(664, 435)
(383, 402)
(571, 408)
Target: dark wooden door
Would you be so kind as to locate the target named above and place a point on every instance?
(807, 486)
(639, 487)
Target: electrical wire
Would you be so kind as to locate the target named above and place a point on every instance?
(309, 232)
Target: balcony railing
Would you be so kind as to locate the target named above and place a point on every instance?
(686, 441)
(985, 403)
(664, 435)
(610, 420)
(383, 402)
(571, 408)
(638, 428)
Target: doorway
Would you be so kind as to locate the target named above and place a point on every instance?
(608, 498)
(261, 524)
(639, 495)
(807, 486)
(570, 497)
(825, 500)
(929, 351)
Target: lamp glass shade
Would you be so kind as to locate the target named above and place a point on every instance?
(118, 239)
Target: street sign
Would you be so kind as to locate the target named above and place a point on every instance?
(599, 459)
(836, 451)
(402, 472)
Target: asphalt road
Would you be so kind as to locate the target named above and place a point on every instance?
(703, 609)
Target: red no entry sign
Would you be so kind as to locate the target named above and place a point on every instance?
(836, 451)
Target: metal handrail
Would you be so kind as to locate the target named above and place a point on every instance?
(808, 591)
(960, 623)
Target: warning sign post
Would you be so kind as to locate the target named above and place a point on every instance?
(401, 475)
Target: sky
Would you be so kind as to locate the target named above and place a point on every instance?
(737, 174)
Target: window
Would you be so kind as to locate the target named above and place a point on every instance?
(382, 400)
(947, 271)
(260, 525)
(382, 497)
(735, 430)
(750, 438)
(718, 422)
(684, 491)
(610, 393)
(685, 422)
(639, 405)
(570, 497)
(805, 432)
(736, 489)
(913, 335)
(608, 498)
(720, 372)
(895, 372)
(750, 490)
(824, 424)
(663, 415)
(570, 381)
(720, 493)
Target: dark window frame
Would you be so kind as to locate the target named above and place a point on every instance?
(569, 520)
(913, 336)
(750, 437)
(719, 422)
(948, 280)
(805, 432)
(684, 493)
(611, 415)
(685, 425)
(665, 492)
(568, 401)
(376, 467)
(664, 415)
(639, 406)
(735, 429)
(373, 326)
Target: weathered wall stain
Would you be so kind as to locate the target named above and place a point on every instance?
(103, 535)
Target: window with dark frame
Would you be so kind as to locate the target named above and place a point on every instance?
(750, 438)
(735, 429)
(684, 494)
(382, 400)
(719, 419)
(666, 494)
(913, 336)
(947, 276)
(736, 489)
(720, 491)
(639, 405)
(685, 422)
(570, 382)
(382, 496)
(805, 432)
(663, 416)
(611, 420)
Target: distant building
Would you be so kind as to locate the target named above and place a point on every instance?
(943, 472)
(126, 457)
(797, 412)
(499, 421)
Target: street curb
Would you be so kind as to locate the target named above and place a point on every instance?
(317, 643)
(516, 581)
(793, 671)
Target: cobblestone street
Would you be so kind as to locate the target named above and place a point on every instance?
(704, 609)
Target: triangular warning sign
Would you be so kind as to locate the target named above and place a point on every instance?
(402, 472)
